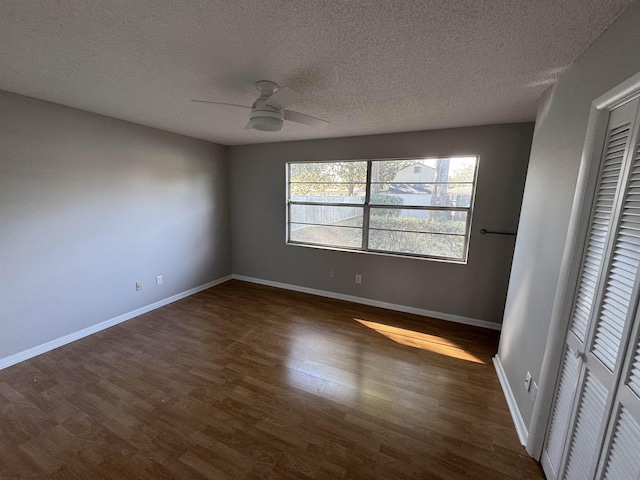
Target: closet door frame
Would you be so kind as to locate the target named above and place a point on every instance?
(571, 261)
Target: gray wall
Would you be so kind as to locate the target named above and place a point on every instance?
(551, 181)
(88, 206)
(476, 290)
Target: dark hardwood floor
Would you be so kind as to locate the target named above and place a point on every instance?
(249, 382)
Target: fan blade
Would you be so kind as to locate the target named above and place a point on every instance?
(283, 98)
(222, 103)
(305, 119)
(248, 126)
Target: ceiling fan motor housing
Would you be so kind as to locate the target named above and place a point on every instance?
(267, 87)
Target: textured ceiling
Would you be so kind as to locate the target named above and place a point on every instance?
(367, 66)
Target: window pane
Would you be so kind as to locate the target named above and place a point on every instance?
(326, 215)
(328, 172)
(453, 195)
(328, 192)
(450, 246)
(422, 194)
(350, 237)
(403, 171)
(453, 169)
(426, 221)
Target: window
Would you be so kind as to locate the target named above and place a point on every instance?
(411, 207)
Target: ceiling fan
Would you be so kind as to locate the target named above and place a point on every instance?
(268, 111)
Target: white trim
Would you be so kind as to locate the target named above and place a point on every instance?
(521, 427)
(567, 282)
(72, 337)
(547, 467)
(628, 88)
(374, 303)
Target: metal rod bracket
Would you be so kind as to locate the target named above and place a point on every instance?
(484, 232)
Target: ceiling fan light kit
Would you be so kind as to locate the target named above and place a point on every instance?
(266, 121)
(268, 112)
(265, 115)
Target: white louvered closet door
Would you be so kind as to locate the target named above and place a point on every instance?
(621, 458)
(602, 310)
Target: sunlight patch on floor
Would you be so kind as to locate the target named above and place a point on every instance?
(423, 341)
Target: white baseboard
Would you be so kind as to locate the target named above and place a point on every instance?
(374, 303)
(72, 337)
(521, 428)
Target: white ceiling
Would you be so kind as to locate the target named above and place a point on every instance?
(367, 66)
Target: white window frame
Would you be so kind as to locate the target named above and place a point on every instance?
(367, 207)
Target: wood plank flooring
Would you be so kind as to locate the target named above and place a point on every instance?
(250, 382)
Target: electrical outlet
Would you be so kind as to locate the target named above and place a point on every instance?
(358, 278)
(159, 280)
(138, 286)
(534, 391)
(527, 381)
(332, 274)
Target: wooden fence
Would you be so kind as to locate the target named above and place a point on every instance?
(322, 214)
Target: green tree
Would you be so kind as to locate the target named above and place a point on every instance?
(301, 173)
(352, 172)
(464, 174)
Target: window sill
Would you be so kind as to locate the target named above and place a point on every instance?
(384, 254)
